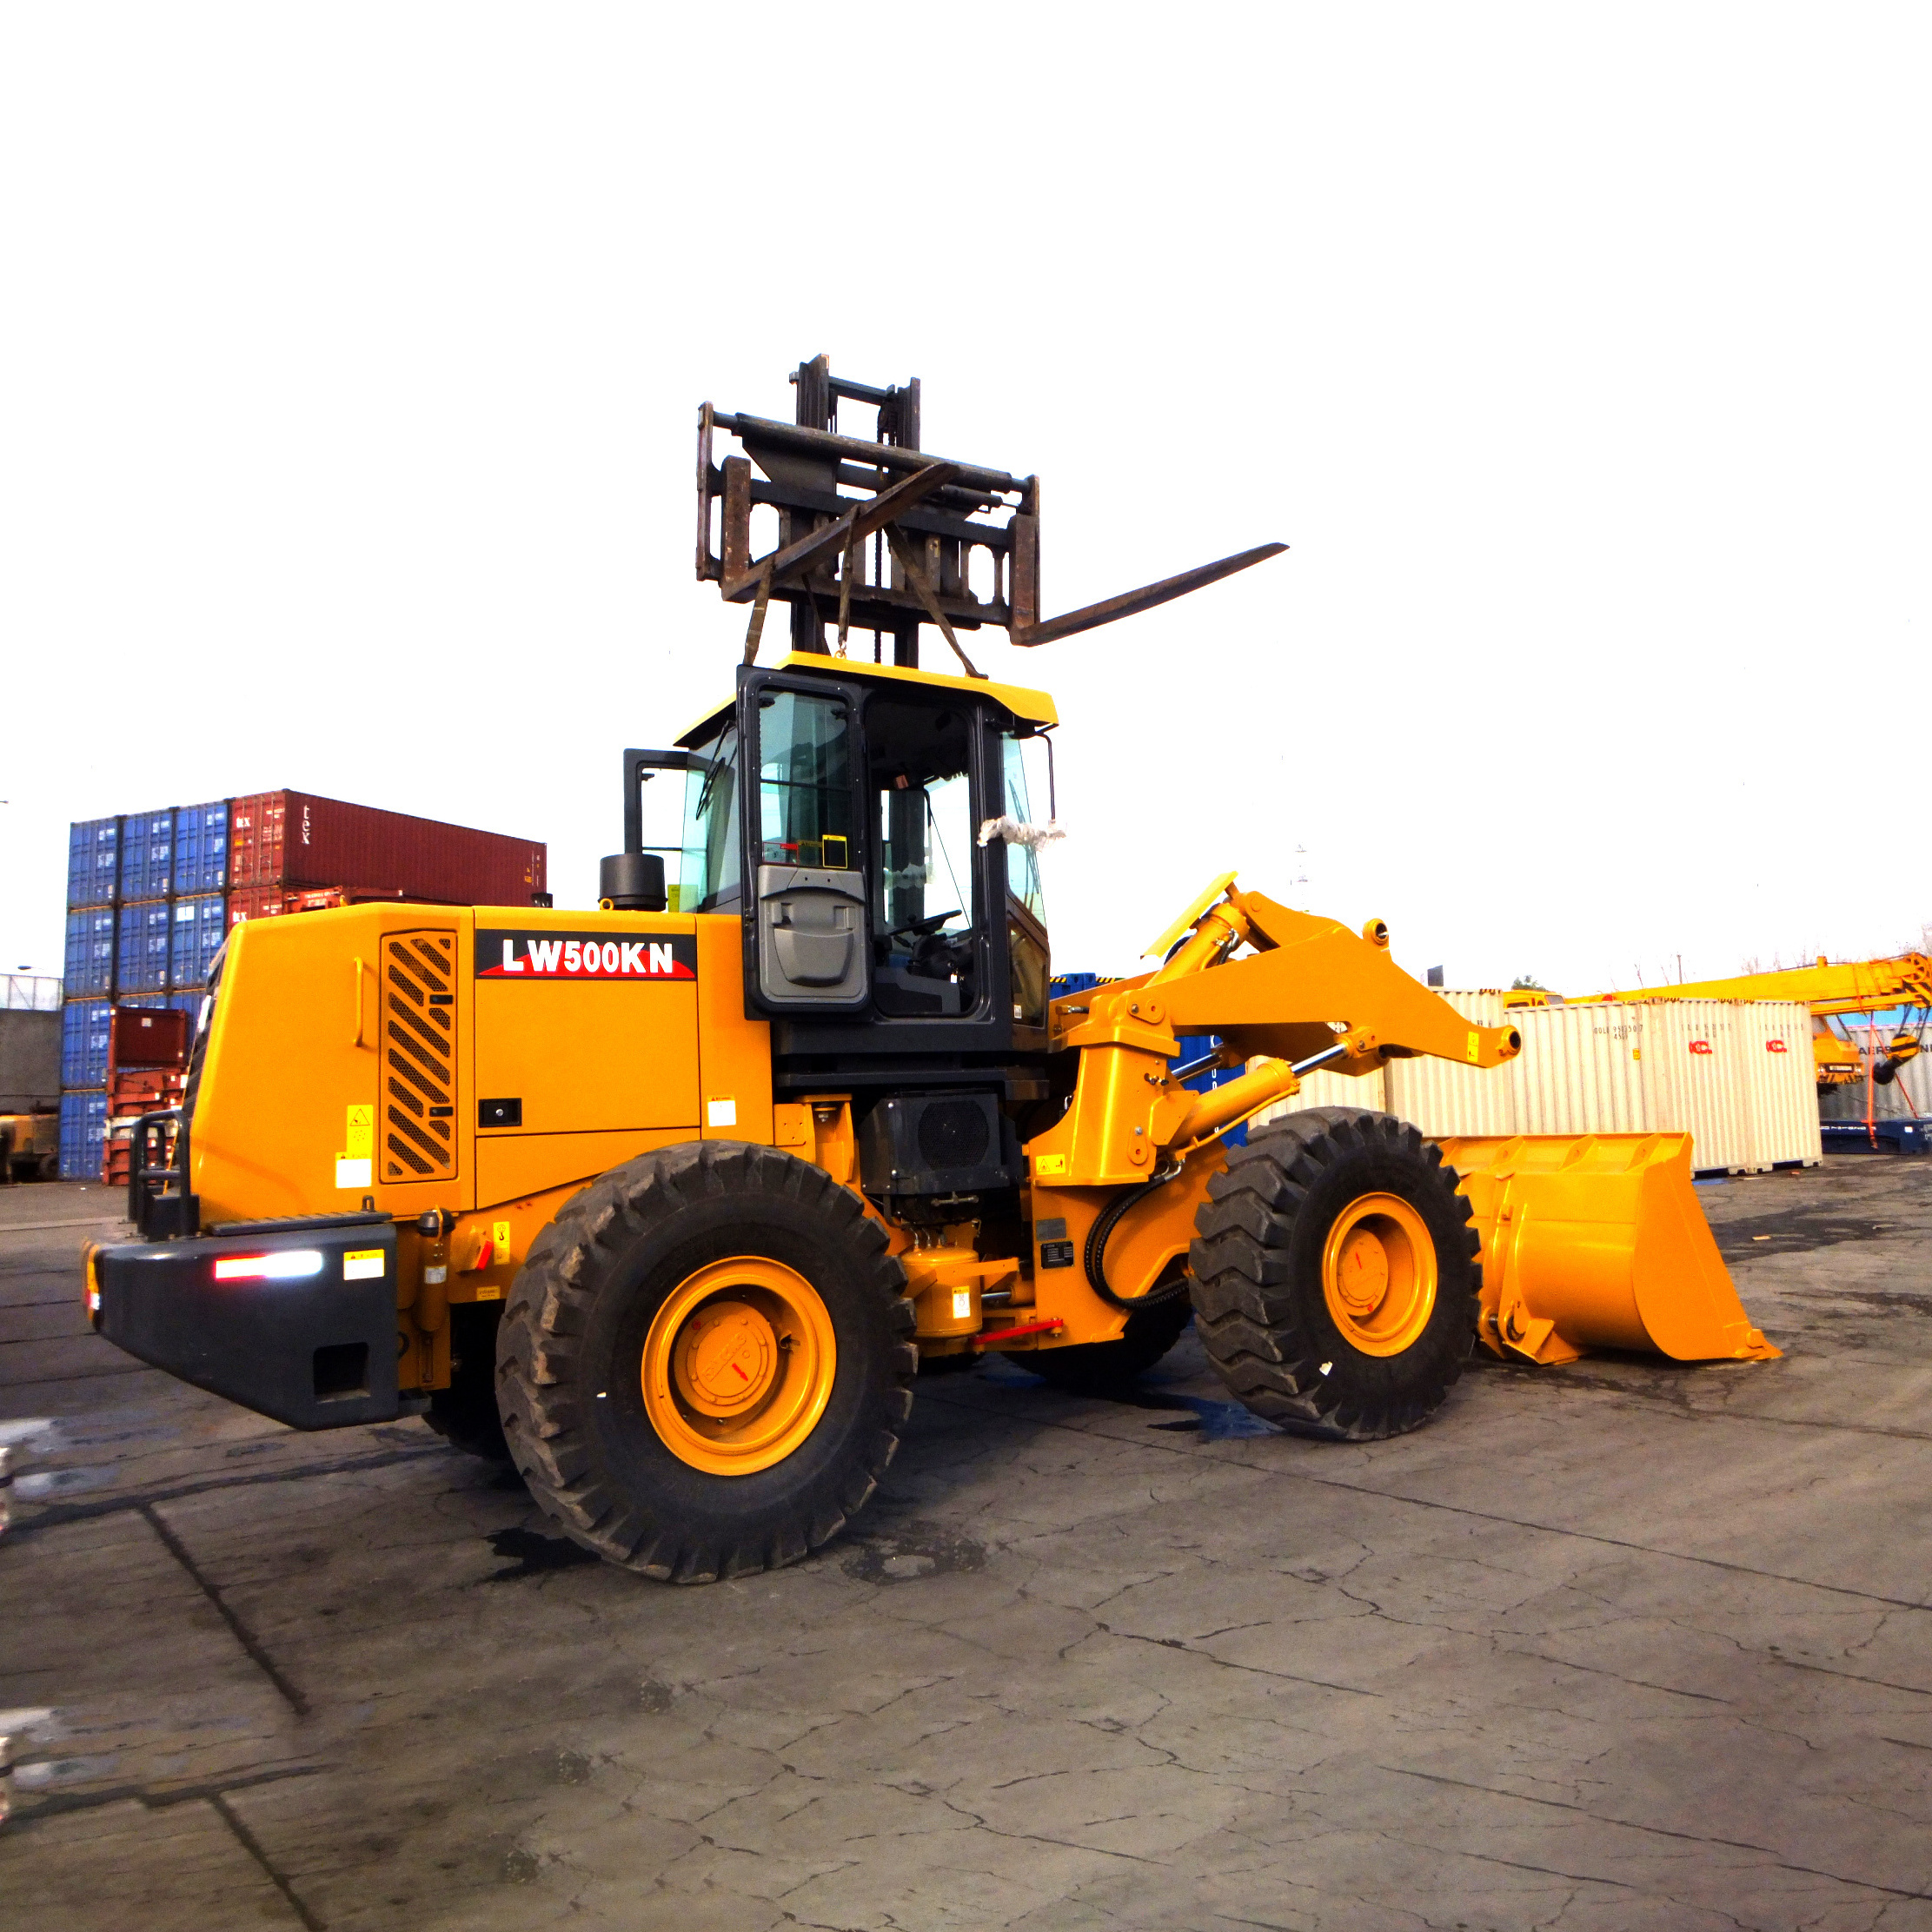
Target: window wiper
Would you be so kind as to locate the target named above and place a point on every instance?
(712, 768)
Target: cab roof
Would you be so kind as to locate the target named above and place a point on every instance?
(1033, 707)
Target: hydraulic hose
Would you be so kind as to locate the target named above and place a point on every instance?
(1096, 1252)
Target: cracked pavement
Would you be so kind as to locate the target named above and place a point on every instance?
(1619, 1646)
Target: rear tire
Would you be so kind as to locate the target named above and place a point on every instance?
(640, 1272)
(1334, 1288)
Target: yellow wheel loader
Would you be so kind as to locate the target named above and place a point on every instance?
(673, 1201)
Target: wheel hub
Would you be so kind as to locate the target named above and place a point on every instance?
(737, 1365)
(1362, 1270)
(727, 1357)
(1379, 1274)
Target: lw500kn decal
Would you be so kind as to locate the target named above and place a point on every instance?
(526, 956)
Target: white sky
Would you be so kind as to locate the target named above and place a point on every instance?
(350, 358)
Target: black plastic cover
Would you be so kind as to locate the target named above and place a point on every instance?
(633, 882)
(315, 1351)
(937, 1143)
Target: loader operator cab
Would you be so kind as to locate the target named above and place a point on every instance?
(836, 807)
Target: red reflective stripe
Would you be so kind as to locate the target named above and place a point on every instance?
(1008, 1334)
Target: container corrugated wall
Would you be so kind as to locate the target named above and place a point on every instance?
(200, 848)
(1694, 1072)
(1735, 1075)
(142, 962)
(83, 1129)
(83, 1042)
(295, 839)
(148, 855)
(1581, 1071)
(1442, 1097)
(200, 926)
(93, 861)
(90, 934)
(1780, 1087)
(1323, 1089)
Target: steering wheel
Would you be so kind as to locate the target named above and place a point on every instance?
(923, 928)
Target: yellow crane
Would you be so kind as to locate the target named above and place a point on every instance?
(1830, 990)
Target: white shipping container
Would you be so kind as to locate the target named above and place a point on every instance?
(1443, 1097)
(1780, 1085)
(1735, 1075)
(1323, 1089)
(1581, 1071)
(1695, 1079)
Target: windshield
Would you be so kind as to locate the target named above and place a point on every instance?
(1023, 879)
(691, 821)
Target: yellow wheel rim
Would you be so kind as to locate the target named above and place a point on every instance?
(1378, 1274)
(737, 1365)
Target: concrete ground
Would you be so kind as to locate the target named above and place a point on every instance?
(1614, 1646)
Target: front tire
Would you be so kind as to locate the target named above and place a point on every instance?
(1335, 1285)
(705, 1362)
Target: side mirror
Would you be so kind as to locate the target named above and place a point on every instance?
(632, 882)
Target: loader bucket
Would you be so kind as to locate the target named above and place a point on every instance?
(1597, 1241)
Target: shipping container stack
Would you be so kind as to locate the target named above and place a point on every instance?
(291, 852)
(151, 895)
(147, 905)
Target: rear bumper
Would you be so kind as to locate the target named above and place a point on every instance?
(311, 1340)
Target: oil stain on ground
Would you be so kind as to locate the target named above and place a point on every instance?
(911, 1552)
(533, 1553)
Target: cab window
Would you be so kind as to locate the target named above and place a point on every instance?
(804, 782)
(924, 914)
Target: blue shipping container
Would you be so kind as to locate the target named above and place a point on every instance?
(200, 926)
(145, 932)
(147, 854)
(91, 952)
(83, 1128)
(83, 1042)
(200, 848)
(93, 861)
(190, 1004)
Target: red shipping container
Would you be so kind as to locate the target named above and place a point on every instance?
(314, 899)
(254, 902)
(294, 839)
(133, 1092)
(144, 1036)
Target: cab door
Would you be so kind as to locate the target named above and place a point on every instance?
(808, 936)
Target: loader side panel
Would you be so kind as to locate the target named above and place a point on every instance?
(306, 1072)
(586, 1046)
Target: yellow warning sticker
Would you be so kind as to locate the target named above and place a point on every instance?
(1050, 1164)
(1475, 1049)
(359, 1135)
(362, 1264)
(499, 1233)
